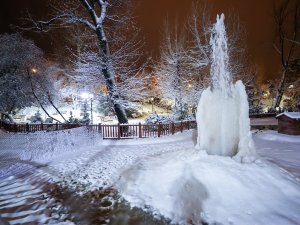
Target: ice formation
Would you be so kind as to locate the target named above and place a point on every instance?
(223, 110)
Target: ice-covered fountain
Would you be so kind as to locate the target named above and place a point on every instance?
(223, 110)
(184, 185)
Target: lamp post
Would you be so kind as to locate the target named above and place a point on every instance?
(91, 98)
(152, 99)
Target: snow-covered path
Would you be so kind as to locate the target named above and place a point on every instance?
(281, 149)
(24, 200)
(101, 165)
(144, 169)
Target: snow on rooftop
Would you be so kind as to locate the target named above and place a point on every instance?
(292, 115)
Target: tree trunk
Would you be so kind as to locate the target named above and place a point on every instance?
(108, 74)
(36, 97)
(280, 90)
(53, 105)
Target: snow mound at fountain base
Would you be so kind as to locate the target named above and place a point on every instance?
(190, 188)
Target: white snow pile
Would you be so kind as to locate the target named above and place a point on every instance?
(18, 151)
(189, 187)
(167, 176)
(293, 115)
(101, 165)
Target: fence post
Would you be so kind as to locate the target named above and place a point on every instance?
(119, 131)
(99, 128)
(42, 126)
(27, 127)
(181, 126)
(56, 126)
(15, 128)
(159, 129)
(188, 124)
(172, 128)
(140, 130)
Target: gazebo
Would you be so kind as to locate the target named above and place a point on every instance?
(289, 123)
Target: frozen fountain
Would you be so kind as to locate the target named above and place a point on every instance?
(223, 110)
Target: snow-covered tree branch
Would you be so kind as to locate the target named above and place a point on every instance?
(25, 78)
(287, 20)
(99, 16)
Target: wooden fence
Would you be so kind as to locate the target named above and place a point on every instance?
(262, 115)
(123, 131)
(23, 128)
(118, 131)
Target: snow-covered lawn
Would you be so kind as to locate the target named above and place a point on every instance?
(165, 175)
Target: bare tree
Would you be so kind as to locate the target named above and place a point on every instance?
(98, 16)
(175, 75)
(130, 78)
(199, 25)
(287, 19)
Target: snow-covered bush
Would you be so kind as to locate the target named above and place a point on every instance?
(155, 119)
(36, 118)
(256, 109)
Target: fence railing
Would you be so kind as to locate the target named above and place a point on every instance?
(123, 131)
(262, 115)
(118, 131)
(108, 131)
(23, 128)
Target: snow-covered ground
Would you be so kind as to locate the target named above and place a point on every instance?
(281, 149)
(164, 175)
(25, 114)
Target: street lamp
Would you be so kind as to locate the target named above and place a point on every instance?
(34, 70)
(87, 96)
(91, 98)
(152, 99)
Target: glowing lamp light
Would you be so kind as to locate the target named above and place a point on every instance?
(34, 70)
(86, 95)
(291, 86)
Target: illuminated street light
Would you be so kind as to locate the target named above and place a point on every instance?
(85, 95)
(152, 99)
(34, 70)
